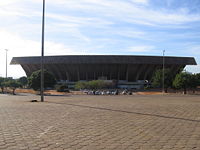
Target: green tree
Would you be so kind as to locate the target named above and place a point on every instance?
(197, 79)
(2, 84)
(81, 85)
(12, 84)
(34, 81)
(23, 81)
(157, 79)
(62, 88)
(94, 84)
(192, 82)
(183, 81)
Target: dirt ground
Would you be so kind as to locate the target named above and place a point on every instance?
(54, 92)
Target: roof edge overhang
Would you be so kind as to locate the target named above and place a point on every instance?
(104, 59)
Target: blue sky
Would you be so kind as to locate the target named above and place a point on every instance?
(127, 27)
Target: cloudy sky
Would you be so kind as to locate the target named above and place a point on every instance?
(127, 27)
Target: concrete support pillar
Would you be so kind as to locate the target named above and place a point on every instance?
(139, 72)
(58, 68)
(94, 75)
(34, 68)
(68, 77)
(127, 71)
(86, 76)
(118, 75)
(78, 73)
(27, 69)
(149, 70)
(56, 71)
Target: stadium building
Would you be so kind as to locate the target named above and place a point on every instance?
(128, 70)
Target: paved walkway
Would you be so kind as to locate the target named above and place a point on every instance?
(100, 122)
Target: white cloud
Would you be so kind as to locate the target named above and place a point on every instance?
(144, 2)
(130, 33)
(130, 12)
(141, 48)
(19, 46)
(79, 21)
(74, 19)
(194, 49)
(190, 49)
(6, 3)
(105, 12)
(8, 13)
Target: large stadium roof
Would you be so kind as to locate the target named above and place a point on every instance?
(105, 59)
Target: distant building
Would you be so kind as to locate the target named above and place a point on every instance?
(128, 70)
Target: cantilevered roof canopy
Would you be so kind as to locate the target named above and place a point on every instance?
(112, 67)
(105, 59)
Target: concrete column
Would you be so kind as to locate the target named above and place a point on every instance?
(94, 75)
(58, 70)
(127, 74)
(55, 71)
(34, 67)
(68, 77)
(149, 70)
(118, 76)
(139, 72)
(27, 69)
(86, 76)
(78, 74)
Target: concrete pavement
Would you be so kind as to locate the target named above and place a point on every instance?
(100, 122)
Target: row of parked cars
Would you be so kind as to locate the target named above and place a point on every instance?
(108, 92)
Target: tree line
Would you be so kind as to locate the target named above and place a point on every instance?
(33, 82)
(12, 83)
(95, 84)
(183, 80)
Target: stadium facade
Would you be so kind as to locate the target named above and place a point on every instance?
(128, 70)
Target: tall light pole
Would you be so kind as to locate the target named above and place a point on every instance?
(6, 63)
(163, 87)
(42, 55)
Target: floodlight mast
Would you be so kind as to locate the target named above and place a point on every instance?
(163, 87)
(6, 63)
(42, 55)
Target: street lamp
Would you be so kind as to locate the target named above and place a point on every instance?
(42, 55)
(6, 63)
(163, 87)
